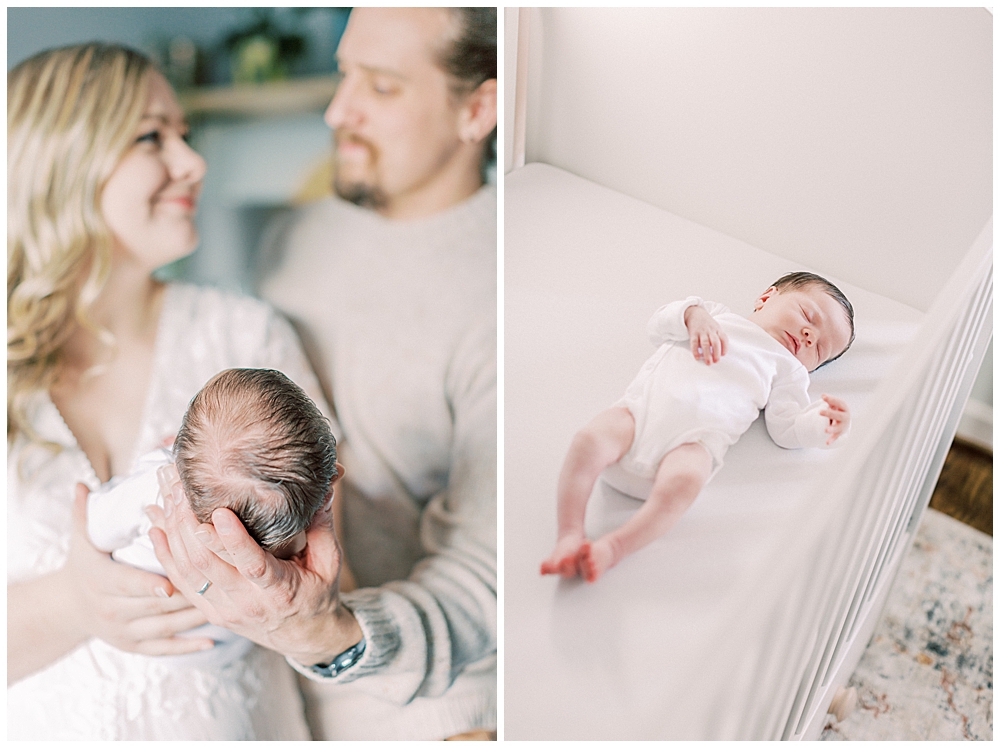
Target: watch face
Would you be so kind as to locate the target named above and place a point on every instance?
(342, 661)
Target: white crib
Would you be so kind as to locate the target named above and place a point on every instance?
(854, 143)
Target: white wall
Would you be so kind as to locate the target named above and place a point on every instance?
(857, 141)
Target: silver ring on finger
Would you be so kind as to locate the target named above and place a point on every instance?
(205, 587)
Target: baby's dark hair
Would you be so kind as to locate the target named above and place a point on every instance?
(252, 441)
(795, 281)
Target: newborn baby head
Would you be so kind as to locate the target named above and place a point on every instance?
(253, 442)
(808, 315)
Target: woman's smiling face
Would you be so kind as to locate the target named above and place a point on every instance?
(810, 323)
(150, 200)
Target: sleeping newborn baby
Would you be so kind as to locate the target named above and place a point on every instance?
(712, 373)
(251, 441)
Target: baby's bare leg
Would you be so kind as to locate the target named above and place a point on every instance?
(679, 479)
(600, 443)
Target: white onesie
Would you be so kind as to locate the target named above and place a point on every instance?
(117, 524)
(677, 399)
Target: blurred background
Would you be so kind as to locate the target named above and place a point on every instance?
(254, 83)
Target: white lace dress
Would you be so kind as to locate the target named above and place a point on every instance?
(96, 691)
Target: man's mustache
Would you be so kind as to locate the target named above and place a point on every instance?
(340, 136)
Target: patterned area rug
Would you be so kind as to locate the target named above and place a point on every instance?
(928, 672)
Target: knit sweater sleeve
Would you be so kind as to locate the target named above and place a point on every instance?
(423, 631)
(667, 323)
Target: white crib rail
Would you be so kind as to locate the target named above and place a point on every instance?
(801, 628)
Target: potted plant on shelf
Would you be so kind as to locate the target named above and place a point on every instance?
(263, 51)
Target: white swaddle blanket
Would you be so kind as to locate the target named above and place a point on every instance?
(117, 524)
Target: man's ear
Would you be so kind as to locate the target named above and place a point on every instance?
(764, 297)
(478, 116)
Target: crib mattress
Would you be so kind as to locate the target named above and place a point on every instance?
(584, 268)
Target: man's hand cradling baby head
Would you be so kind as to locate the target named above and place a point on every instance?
(172, 493)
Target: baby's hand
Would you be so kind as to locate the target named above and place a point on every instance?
(839, 416)
(708, 341)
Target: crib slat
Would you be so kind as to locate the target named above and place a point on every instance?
(906, 501)
(938, 389)
(937, 408)
(904, 495)
(851, 540)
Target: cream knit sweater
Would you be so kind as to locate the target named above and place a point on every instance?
(399, 320)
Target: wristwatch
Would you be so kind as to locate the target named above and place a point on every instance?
(341, 662)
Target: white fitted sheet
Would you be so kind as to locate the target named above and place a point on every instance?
(584, 269)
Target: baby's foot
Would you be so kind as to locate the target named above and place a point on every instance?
(564, 558)
(595, 559)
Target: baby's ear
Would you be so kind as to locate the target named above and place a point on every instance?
(340, 473)
(764, 297)
(333, 484)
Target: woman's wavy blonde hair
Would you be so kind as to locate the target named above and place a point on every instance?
(72, 113)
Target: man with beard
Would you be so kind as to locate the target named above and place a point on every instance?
(392, 285)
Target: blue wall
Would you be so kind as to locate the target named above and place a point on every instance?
(30, 30)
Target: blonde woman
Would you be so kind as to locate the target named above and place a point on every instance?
(101, 362)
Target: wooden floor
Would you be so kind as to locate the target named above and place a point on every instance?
(965, 488)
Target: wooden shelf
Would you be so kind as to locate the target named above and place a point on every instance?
(262, 99)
